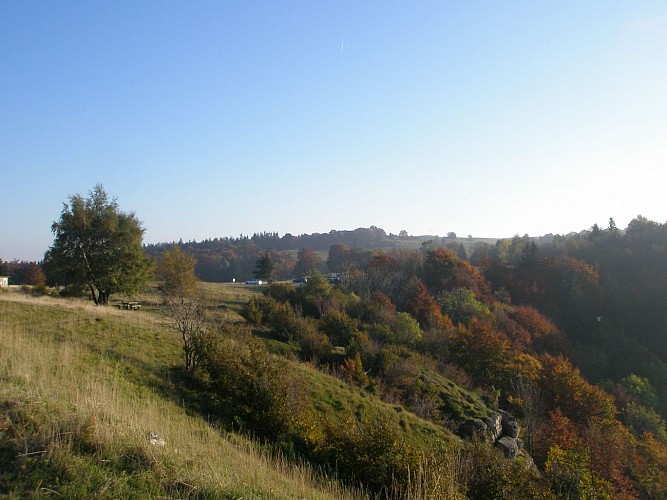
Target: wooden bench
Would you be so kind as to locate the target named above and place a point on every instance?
(129, 305)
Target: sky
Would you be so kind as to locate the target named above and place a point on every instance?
(219, 118)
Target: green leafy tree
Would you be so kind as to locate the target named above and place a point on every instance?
(461, 305)
(264, 267)
(570, 476)
(640, 389)
(641, 419)
(98, 247)
(405, 329)
(176, 270)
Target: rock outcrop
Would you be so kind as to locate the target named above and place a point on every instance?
(473, 428)
(495, 425)
(509, 446)
(501, 429)
(510, 427)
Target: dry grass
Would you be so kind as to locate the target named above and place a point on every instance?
(56, 378)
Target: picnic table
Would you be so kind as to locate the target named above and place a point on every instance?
(129, 305)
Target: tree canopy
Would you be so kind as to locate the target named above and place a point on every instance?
(265, 268)
(176, 269)
(97, 247)
(307, 262)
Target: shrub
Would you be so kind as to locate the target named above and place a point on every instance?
(486, 474)
(368, 452)
(251, 388)
(72, 291)
(314, 297)
(252, 312)
(351, 370)
(281, 292)
(259, 310)
(339, 327)
(314, 344)
(280, 316)
(40, 290)
(284, 321)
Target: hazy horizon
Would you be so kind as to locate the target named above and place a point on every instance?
(394, 233)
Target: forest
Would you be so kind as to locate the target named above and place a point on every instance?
(568, 336)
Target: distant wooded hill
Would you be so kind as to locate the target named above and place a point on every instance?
(370, 238)
(224, 259)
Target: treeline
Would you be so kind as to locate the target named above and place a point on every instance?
(23, 272)
(372, 238)
(225, 259)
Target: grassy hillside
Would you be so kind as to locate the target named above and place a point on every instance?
(335, 400)
(87, 409)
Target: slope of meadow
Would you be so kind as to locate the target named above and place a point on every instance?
(87, 408)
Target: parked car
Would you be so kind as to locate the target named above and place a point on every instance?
(253, 282)
(300, 279)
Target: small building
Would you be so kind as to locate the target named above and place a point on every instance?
(4, 281)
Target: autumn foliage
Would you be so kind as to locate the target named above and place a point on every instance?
(564, 388)
(404, 325)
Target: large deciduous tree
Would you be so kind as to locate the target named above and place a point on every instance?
(97, 247)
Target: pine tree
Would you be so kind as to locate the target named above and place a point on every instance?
(264, 267)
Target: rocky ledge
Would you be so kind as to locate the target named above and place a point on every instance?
(501, 429)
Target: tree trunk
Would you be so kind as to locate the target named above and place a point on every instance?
(100, 297)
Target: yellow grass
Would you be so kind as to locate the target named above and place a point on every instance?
(61, 378)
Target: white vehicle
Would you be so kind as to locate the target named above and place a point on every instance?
(253, 282)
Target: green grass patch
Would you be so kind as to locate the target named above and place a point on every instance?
(332, 399)
(458, 403)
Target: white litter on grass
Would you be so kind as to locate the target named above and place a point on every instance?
(156, 440)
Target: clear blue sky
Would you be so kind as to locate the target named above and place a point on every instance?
(219, 118)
